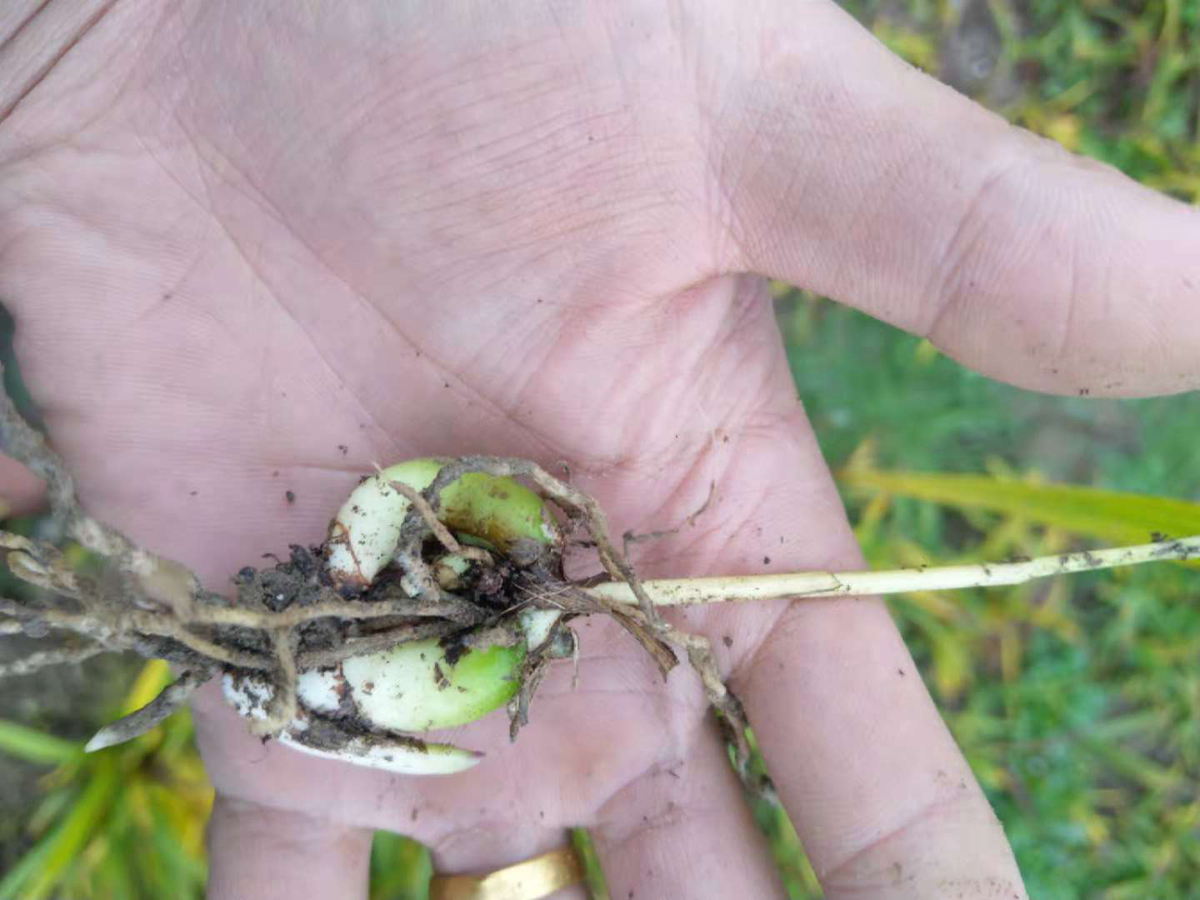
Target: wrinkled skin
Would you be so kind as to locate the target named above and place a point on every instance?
(236, 236)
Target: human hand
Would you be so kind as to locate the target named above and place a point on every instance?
(239, 238)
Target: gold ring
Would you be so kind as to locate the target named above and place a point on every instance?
(528, 880)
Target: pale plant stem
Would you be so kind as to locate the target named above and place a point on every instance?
(793, 585)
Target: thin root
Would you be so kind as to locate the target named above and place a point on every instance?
(282, 707)
(373, 643)
(158, 710)
(440, 531)
(42, 659)
(574, 502)
(630, 537)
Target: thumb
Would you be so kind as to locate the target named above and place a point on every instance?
(855, 175)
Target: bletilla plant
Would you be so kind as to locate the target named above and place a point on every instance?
(437, 597)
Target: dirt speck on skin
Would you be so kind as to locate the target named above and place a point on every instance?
(992, 886)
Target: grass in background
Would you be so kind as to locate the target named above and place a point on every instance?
(126, 822)
(1118, 80)
(1074, 699)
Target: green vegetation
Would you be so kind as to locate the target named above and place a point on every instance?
(1118, 80)
(125, 822)
(1074, 699)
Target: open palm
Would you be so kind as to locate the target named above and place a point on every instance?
(252, 250)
